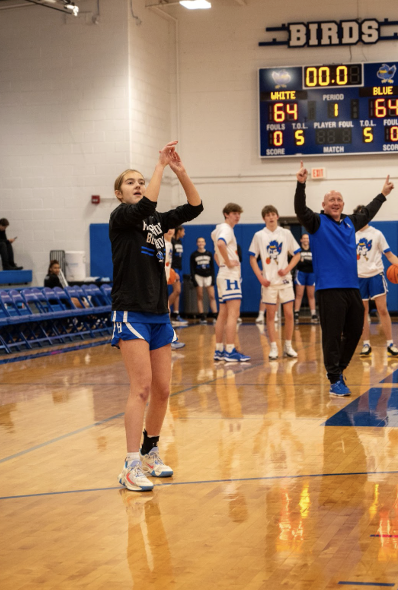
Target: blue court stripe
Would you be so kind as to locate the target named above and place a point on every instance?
(185, 483)
(54, 440)
(385, 536)
(368, 584)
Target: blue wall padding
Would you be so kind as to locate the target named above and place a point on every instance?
(100, 251)
(101, 259)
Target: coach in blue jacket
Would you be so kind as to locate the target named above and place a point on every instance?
(332, 239)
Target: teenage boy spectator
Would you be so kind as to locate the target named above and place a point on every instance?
(6, 250)
(273, 243)
(202, 275)
(305, 280)
(371, 245)
(228, 285)
(336, 276)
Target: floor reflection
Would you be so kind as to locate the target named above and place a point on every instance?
(377, 407)
(148, 553)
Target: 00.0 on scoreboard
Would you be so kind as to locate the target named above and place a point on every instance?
(329, 109)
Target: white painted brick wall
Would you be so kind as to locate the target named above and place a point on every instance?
(219, 61)
(64, 124)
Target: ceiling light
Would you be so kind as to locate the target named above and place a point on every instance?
(195, 4)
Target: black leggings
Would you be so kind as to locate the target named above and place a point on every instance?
(6, 254)
(341, 317)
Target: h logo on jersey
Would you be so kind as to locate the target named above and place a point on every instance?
(364, 246)
(273, 249)
(232, 285)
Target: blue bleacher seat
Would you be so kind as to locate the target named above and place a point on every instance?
(42, 316)
(15, 277)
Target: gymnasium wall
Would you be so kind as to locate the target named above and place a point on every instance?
(79, 102)
(220, 58)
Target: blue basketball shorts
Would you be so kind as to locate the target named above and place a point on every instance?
(373, 287)
(306, 279)
(128, 328)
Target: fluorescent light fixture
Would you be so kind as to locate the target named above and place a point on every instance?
(195, 4)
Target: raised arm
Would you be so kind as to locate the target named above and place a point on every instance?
(359, 220)
(305, 215)
(178, 168)
(192, 209)
(165, 157)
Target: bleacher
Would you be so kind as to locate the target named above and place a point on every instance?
(15, 277)
(37, 317)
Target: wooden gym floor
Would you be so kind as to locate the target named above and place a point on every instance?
(276, 485)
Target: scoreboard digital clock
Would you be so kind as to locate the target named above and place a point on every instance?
(334, 109)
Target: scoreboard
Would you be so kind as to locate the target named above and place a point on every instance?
(339, 109)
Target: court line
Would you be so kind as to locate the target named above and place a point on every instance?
(28, 357)
(368, 584)
(53, 440)
(184, 483)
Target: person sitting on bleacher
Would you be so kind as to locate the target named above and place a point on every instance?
(53, 280)
(6, 250)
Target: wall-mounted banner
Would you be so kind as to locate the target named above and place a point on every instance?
(327, 33)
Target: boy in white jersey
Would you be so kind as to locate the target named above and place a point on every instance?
(371, 244)
(273, 244)
(228, 285)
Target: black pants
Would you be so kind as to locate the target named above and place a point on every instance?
(341, 317)
(7, 255)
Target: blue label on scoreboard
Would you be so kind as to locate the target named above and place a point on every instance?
(329, 109)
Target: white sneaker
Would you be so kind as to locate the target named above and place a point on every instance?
(392, 350)
(240, 320)
(273, 353)
(153, 465)
(260, 319)
(276, 317)
(134, 479)
(288, 350)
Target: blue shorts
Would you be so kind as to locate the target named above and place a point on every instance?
(131, 327)
(306, 279)
(373, 287)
